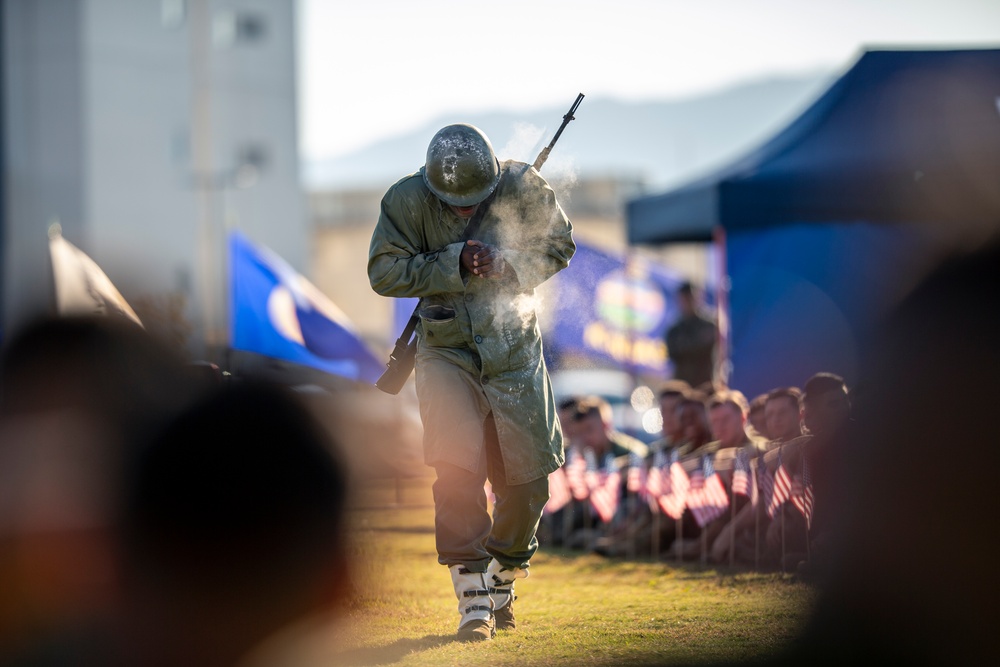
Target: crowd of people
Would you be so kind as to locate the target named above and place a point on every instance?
(730, 481)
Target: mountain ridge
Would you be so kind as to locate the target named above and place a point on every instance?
(660, 143)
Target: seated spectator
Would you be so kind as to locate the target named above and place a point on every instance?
(911, 580)
(696, 433)
(792, 536)
(556, 526)
(567, 409)
(783, 412)
(743, 533)
(670, 395)
(696, 442)
(595, 431)
(632, 529)
(728, 411)
(602, 445)
(826, 415)
(758, 422)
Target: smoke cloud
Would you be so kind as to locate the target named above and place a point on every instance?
(524, 144)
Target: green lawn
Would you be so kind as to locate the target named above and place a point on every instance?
(575, 609)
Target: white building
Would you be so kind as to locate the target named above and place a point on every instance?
(146, 127)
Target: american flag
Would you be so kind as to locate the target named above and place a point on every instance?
(654, 478)
(707, 499)
(604, 492)
(576, 468)
(636, 480)
(559, 492)
(743, 480)
(765, 481)
(802, 492)
(782, 488)
(674, 497)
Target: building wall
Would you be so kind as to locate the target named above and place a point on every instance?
(43, 144)
(149, 127)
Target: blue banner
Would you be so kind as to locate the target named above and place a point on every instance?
(276, 312)
(402, 311)
(615, 310)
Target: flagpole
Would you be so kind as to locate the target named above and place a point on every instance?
(655, 536)
(756, 521)
(630, 505)
(756, 536)
(679, 540)
(808, 547)
(732, 525)
(202, 157)
(782, 510)
(567, 522)
(722, 362)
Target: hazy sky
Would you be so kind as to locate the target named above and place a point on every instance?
(381, 67)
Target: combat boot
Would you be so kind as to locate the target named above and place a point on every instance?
(474, 604)
(501, 580)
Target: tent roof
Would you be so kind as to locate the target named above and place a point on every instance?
(903, 136)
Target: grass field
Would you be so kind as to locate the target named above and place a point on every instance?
(575, 609)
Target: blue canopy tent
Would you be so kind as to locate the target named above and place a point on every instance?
(827, 223)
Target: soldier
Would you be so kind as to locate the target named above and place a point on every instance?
(486, 400)
(691, 341)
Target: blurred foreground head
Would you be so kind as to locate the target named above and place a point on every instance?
(913, 581)
(76, 394)
(233, 527)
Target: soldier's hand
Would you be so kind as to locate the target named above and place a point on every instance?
(483, 260)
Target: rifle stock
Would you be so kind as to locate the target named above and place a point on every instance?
(399, 367)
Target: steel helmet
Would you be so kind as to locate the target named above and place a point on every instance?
(461, 168)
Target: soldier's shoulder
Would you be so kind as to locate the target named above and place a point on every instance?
(629, 444)
(520, 176)
(515, 168)
(411, 183)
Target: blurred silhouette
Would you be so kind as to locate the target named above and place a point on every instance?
(758, 421)
(691, 340)
(233, 529)
(911, 578)
(78, 393)
(151, 513)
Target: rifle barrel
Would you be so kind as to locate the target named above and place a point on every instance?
(544, 155)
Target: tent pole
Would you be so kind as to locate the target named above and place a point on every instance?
(722, 363)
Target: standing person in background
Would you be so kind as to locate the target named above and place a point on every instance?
(473, 238)
(691, 340)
